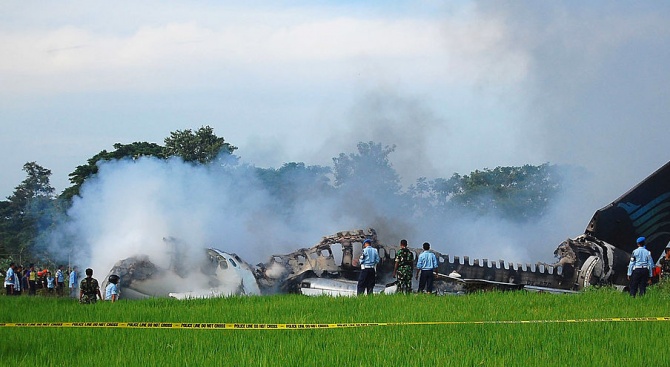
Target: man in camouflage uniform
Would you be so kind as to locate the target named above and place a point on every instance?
(664, 262)
(404, 264)
(89, 288)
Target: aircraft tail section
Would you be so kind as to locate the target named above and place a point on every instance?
(642, 211)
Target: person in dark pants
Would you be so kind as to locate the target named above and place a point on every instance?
(89, 288)
(402, 270)
(9, 279)
(426, 265)
(369, 259)
(32, 281)
(60, 281)
(640, 269)
(18, 280)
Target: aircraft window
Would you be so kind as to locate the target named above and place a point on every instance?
(301, 260)
(326, 253)
(337, 252)
(392, 254)
(357, 248)
(440, 259)
(233, 262)
(223, 264)
(381, 252)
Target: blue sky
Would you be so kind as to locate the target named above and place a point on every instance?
(455, 87)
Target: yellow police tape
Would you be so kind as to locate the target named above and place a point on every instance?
(245, 326)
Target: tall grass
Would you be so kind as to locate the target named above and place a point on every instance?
(535, 344)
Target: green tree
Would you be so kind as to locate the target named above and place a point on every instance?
(24, 211)
(121, 151)
(201, 146)
(519, 193)
(369, 170)
(295, 181)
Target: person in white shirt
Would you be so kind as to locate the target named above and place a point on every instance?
(9, 279)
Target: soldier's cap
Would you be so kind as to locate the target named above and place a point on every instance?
(640, 239)
(367, 240)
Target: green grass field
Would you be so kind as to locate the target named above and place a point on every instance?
(629, 343)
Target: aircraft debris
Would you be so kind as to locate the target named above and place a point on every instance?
(600, 256)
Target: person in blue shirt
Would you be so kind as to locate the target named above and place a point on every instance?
(640, 269)
(74, 283)
(368, 259)
(426, 265)
(112, 289)
(60, 280)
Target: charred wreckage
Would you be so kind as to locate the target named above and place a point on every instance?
(599, 256)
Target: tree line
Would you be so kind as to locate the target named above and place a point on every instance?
(517, 193)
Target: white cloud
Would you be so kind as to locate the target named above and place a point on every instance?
(73, 57)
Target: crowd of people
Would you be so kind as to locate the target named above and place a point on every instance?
(19, 280)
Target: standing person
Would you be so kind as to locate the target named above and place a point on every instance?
(42, 278)
(402, 270)
(640, 268)
(89, 288)
(9, 279)
(24, 280)
(18, 278)
(32, 280)
(112, 290)
(369, 259)
(60, 281)
(51, 284)
(74, 282)
(426, 265)
(664, 262)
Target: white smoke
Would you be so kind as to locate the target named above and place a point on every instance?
(129, 207)
(580, 85)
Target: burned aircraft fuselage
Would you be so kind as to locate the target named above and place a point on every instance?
(600, 256)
